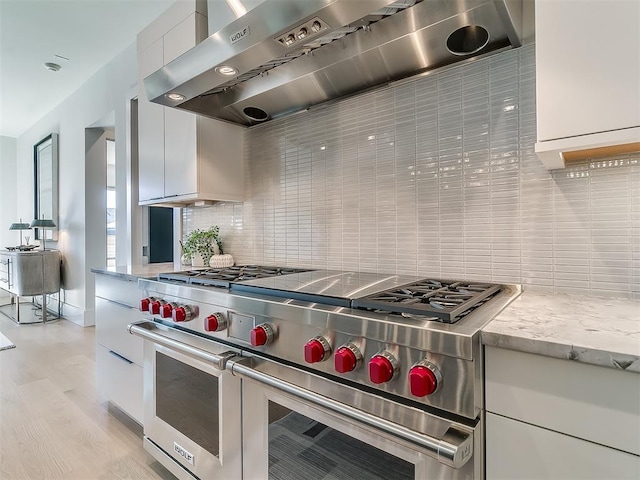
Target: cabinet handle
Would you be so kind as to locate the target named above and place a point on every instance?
(124, 359)
(120, 304)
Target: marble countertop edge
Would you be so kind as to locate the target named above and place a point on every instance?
(593, 330)
(563, 351)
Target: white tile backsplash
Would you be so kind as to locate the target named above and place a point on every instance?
(435, 177)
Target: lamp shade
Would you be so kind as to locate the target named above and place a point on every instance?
(20, 226)
(43, 223)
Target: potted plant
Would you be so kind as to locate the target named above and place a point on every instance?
(201, 245)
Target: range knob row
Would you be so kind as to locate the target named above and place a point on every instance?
(424, 377)
(157, 306)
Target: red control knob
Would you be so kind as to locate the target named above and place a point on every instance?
(424, 379)
(316, 350)
(262, 335)
(166, 310)
(346, 358)
(183, 313)
(154, 306)
(215, 322)
(144, 304)
(382, 367)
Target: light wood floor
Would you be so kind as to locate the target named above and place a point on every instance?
(53, 423)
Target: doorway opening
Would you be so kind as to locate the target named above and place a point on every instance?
(160, 234)
(111, 202)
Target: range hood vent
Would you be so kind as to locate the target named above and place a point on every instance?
(287, 55)
(306, 47)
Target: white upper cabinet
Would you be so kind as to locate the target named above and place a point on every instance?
(587, 79)
(150, 130)
(223, 12)
(182, 157)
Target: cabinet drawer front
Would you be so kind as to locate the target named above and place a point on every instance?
(120, 291)
(111, 329)
(516, 450)
(120, 382)
(598, 404)
(5, 270)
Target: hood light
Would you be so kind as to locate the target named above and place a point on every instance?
(226, 70)
(176, 97)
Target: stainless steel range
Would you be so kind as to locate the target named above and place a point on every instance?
(328, 374)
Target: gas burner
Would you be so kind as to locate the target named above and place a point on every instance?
(224, 277)
(440, 300)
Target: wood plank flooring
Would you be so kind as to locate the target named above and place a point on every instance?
(53, 422)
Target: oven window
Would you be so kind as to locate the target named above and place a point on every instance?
(300, 447)
(187, 399)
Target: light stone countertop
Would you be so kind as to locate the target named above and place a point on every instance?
(133, 273)
(598, 331)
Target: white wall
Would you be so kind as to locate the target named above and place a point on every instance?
(107, 91)
(8, 197)
(8, 193)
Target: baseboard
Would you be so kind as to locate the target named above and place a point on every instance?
(75, 315)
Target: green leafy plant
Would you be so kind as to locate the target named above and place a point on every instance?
(203, 242)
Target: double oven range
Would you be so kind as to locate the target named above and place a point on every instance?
(264, 372)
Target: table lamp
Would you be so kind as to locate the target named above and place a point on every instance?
(20, 226)
(43, 224)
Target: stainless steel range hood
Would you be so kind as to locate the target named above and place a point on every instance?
(287, 55)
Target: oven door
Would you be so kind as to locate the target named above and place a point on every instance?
(191, 405)
(293, 427)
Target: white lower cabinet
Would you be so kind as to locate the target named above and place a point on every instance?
(549, 418)
(518, 450)
(120, 380)
(119, 355)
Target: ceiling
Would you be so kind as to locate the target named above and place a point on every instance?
(79, 35)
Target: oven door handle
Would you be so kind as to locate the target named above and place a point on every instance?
(454, 449)
(148, 331)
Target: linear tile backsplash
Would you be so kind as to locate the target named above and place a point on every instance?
(435, 177)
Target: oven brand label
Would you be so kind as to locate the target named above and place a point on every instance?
(183, 453)
(239, 35)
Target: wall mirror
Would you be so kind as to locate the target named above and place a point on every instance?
(45, 176)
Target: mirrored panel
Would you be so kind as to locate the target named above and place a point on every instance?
(45, 175)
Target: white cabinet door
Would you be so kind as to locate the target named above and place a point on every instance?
(184, 36)
(111, 329)
(595, 403)
(516, 450)
(119, 355)
(180, 153)
(150, 130)
(587, 67)
(183, 157)
(120, 382)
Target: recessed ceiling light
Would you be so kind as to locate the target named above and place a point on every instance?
(52, 67)
(176, 97)
(227, 70)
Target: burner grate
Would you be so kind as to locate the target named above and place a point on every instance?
(224, 277)
(440, 300)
